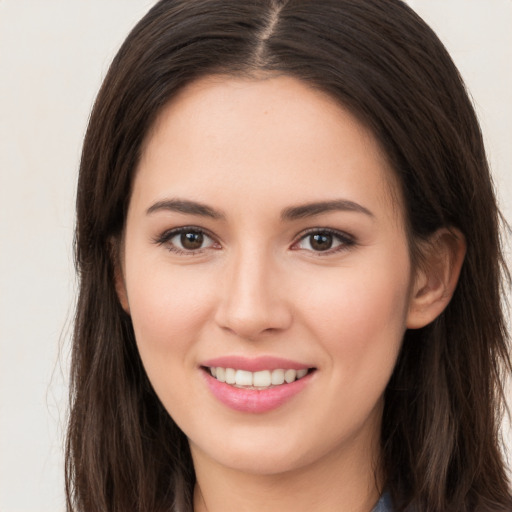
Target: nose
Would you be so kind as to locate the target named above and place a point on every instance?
(254, 300)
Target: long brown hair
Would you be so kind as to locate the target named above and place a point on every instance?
(440, 430)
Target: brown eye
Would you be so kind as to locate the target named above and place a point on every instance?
(325, 241)
(187, 241)
(191, 240)
(320, 241)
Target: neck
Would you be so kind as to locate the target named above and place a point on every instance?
(346, 482)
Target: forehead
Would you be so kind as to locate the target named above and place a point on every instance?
(276, 137)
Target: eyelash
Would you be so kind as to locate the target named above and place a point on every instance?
(167, 236)
(345, 240)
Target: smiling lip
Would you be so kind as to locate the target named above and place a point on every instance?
(254, 400)
(256, 364)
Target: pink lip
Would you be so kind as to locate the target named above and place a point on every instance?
(255, 364)
(255, 400)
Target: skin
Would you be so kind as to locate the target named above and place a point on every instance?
(250, 150)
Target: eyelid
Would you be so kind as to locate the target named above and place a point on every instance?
(165, 237)
(347, 240)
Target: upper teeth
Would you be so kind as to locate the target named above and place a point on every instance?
(262, 379)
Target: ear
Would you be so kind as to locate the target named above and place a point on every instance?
(116, 254)
(437, 276)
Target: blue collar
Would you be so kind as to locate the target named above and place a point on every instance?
(384, 504)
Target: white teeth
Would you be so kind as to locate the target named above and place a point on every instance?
(220, 374)
(230, 376)
(243, 378)
(301, 373)
(290, 375)
(277, 377)
(261, 379)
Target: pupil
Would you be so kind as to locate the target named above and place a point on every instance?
(321, 242)
(192, 240)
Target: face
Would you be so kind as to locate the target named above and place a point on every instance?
(264, 247)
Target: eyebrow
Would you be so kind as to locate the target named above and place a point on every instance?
(185, 206)
(288, 214)
(312, 209)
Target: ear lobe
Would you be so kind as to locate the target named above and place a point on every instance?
(119, 281)
(121, 289)
(436, 280)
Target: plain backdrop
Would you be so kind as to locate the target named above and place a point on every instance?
(53, 55)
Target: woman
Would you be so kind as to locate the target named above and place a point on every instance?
(290, 269)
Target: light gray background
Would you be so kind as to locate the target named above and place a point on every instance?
(53, 55)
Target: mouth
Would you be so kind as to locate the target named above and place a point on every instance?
(259, 380)
(259, 384)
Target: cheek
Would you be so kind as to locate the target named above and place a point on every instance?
(169, 308)
(360, 319)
